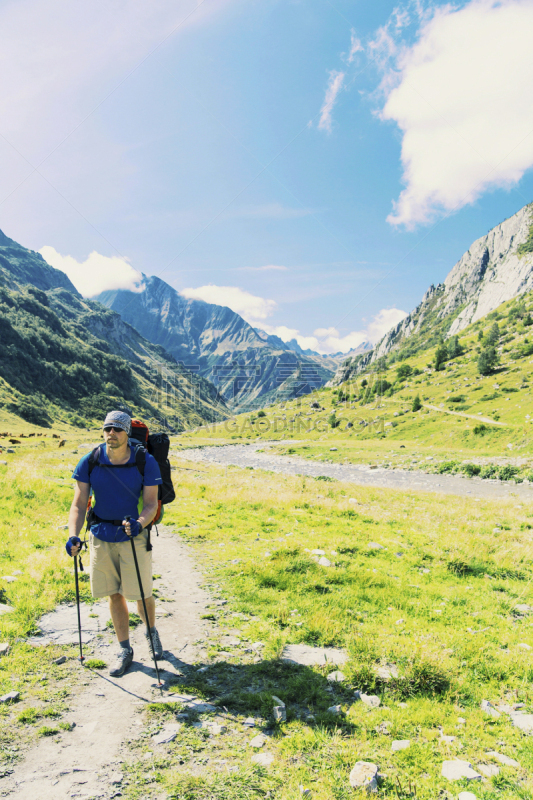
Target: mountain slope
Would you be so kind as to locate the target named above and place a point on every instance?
(215, 342)
(67, 358)
(496, 268)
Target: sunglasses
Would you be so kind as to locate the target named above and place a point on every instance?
(110, 428)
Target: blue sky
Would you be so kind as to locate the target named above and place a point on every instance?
(315, 166)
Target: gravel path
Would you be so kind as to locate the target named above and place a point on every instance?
(246, 455)
(86, 763)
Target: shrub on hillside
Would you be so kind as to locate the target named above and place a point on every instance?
(403, 372)
(487, 360)
(441, 356)
(261, 413)
(480, 430)
(417, 404)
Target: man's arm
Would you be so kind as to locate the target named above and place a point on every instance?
(149, 505)
(77, 511)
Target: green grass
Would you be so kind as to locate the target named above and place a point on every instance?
(451, 632)
(94, 663)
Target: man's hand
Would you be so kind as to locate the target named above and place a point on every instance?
(73, 545)
(132, 526)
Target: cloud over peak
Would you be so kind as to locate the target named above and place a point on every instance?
(459, 96)
(97, 273)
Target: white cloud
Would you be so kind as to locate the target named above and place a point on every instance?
(460, 96)
(355, 47)
(334, 86)
(96, 274)
(382, 323)
(252, 308)
(329, 340)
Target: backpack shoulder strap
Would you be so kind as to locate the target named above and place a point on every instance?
(94, 459)
(140, 457)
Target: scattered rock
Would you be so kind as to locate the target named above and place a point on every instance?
(387, 672)
(375, 546)
(318, 552)
(249, 722)
(335, 710)
(383, 728)
(4, 648)
(523, 722)
(279, 713)
(5, 609)
(488, 770)
(309, 656)
(263, 759)
(215, 728)
(10, 450)
(523, 646)
(3, 463)
(400, 744)
(503, 759)
(489, 709)
(60, 660)
(258, 741)
(168, 734)
(202, 708)
(11, 697)
(457, 770)
(336, 677)
(333, 449)
(353, 500)
(467, 796)
(523, 609)
(277, 701)
(370, 700)
(364, 775)
(324, 562)
(8, 578)
(115, 778)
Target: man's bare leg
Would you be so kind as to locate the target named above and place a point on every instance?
(150, 607)
(120, 616)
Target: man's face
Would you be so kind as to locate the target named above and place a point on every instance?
(114, 437)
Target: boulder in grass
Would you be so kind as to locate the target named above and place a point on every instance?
(467, 796)
(263, 759)
(370, 700)
(488, 770)
(503, 759)
(336, 677)
(400, 744)
(364, 775)
(489, 709)
(458, 770)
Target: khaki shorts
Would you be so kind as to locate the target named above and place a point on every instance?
(112, 568)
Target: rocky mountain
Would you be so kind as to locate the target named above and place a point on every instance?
(496, 268)
(70, 359)
(216, 343)
(22, 267)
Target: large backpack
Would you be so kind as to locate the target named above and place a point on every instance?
(157, 445)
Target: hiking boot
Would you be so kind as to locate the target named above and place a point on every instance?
(123, 660)
(158, 647)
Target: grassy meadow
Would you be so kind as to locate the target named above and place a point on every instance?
(423, 582)
(436, 600)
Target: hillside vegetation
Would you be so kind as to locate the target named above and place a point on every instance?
(463, 404)
(66, 360)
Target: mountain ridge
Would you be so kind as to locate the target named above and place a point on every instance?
(217, 343)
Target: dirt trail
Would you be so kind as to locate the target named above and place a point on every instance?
(247, 455)
(86, 762)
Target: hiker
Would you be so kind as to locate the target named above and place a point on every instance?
(117, 486)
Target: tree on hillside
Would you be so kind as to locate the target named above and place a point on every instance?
(403, 371)
(480, 335)
(494, 334)
(454, 347)
(417, 404)
(441, 356)
(487, 360)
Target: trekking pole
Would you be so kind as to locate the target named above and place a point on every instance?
(144, 606)
(82, 657)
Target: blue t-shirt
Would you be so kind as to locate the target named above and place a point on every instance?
(116, 490)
